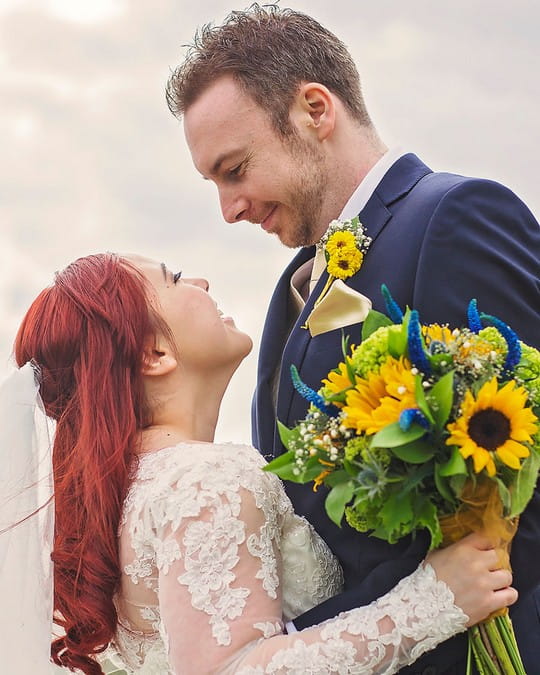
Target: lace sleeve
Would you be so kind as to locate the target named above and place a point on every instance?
(220, 602)
(382, 637)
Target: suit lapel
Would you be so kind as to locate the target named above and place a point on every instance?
(397, 182)
(272, 341)
(277, 321)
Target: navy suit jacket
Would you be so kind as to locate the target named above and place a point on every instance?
(438, 240)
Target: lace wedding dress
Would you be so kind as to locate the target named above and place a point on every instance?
(214, 561)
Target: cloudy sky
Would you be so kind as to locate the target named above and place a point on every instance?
(91, 159)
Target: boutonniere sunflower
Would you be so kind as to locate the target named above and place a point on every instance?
(344, 246)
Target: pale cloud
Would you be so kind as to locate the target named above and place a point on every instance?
(92, 160)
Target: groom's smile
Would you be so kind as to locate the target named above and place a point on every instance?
(262, 176)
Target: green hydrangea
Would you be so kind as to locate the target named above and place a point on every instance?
(355, 520)
(373, 351)
(355, 447)
(492, 336)
(528, 372)
(379, 456)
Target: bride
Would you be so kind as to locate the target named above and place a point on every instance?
(175, 554)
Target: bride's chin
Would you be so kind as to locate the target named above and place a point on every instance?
(245, 344)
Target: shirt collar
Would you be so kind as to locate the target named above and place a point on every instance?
(363, 192)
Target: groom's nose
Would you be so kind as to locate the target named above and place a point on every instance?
(233, 206)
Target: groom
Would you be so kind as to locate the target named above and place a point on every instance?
(274, 116)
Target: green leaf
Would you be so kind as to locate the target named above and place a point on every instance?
(344, 344)
(427, 517)
(279, 462)
(336, 477)
(420, 398)
(416, 476)
(397, 513)
(313, 469)
(416, 452)
(457, 482)
(441, 360)
(286, 434)
(523, 489)
(283, 467)
(336, 500)
(504, 494)
(440, 398)
(442, 485)
(373, 321)
(351, 467)
(397, 343)
(455, 465)
(393, 435)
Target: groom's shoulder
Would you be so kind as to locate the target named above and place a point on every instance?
(449, 183)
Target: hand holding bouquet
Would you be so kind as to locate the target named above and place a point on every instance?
(421, 426)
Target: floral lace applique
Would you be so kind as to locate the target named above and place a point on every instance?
(183, 524)
(163, 496)
(422, 612)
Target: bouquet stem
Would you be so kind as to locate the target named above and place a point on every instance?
(495, 648)
(492, 642)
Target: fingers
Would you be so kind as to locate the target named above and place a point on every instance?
(505, 597)
(472, 570)
(494, 601)
(478, 540)
(499, 579)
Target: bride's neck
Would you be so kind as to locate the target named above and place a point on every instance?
(183, 413)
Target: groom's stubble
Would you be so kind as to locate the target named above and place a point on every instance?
(308, 192)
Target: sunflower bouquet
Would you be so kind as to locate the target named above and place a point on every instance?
(421, 426)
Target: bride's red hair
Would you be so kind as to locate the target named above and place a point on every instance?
(87, 333)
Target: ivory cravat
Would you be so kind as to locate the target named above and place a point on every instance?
(319, 263)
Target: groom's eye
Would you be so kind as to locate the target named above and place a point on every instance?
(176, 276)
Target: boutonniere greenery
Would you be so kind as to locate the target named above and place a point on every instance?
(344, 245)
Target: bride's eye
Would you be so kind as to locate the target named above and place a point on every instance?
(176, 277)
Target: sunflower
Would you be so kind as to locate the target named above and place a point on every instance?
(436, 333)
(338, 379)
(340, 242)
(495, 423)
(379, 399)
(345, 263)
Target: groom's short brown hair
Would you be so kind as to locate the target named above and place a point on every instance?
(269, 51)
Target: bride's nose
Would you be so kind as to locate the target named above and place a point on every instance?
(200, 282)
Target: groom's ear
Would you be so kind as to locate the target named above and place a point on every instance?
(158, 359)
(315, 108)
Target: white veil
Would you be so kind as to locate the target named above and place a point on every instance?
(26, 527)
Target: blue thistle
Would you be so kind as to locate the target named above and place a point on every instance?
(437, 347)
(392, 308)
(311, 395)
(415, 345)
(513, 356)
(410, 415)
(473, 317)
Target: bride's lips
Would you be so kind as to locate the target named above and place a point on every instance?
(224, 318)
(266, 224)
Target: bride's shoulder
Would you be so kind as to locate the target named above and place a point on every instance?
(190, 463)
(183, 478)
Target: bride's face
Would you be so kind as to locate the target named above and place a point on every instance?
(205, 338)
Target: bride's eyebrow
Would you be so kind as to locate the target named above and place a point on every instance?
(164, 270)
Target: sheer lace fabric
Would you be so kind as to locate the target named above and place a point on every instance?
(215, 561)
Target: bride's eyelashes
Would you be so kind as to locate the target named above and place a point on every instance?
(176, 277)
